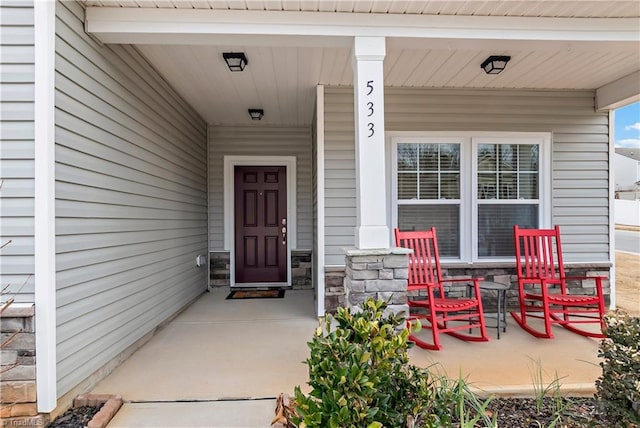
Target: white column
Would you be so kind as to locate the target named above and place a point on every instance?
(371, 225)
(44, 13)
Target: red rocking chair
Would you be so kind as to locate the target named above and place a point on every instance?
(542, 286)
(425, 274)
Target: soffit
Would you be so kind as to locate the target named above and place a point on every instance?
(281, 76)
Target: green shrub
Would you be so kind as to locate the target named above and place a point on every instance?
(618, 389)
(360, 377)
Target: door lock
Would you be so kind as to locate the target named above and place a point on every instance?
(284, 231)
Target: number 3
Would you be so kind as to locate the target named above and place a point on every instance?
(370, 130)
(370, 107)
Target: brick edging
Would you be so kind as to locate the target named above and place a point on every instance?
(110, 406)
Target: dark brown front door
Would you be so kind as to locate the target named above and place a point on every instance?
(260, 224)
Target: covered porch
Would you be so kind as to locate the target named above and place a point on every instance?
(223, 363)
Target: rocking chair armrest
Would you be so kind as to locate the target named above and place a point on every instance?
(597, 277)
(422, 285)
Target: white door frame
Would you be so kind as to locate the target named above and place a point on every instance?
(230, 162)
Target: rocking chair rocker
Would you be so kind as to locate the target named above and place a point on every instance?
(425, 274)
(542, 286)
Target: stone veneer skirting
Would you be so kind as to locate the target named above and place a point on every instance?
(301, 275)
(377, 273)
(335, 279)
(18, 367)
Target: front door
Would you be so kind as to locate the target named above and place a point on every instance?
(260, 225)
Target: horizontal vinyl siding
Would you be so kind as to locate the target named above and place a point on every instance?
(17, 150)
(131, 202)
(579, 153)
(259, 141)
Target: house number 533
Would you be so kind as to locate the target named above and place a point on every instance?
(370, 109)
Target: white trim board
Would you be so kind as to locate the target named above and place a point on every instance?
(44, 217)
(197, 26)
(320, 284)
(289, 162)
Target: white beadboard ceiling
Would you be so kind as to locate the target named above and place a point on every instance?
(281, 79)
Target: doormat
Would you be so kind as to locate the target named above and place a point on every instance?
(256, 294)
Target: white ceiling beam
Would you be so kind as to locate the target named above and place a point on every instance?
(136, 25)
(619, 93)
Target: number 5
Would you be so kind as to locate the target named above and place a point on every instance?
(370, 86)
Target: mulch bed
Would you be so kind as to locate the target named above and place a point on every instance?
(75, 417)
(511, 412)
(524, 413)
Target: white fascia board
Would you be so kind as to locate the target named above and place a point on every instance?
(142, 25)
(619, 93)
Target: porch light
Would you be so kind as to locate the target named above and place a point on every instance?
(236, 61)
(256, 113)
(495, 64)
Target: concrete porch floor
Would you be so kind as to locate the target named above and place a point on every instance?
(221, 363)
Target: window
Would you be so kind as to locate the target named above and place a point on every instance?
(473, 189)
(428, 191)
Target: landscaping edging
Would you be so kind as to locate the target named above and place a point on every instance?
(110, 406)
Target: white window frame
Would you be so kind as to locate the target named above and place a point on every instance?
(469, 142)
(544, 190)
(431, 139)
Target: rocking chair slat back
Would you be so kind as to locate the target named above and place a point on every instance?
(539, 254)
(424, 263)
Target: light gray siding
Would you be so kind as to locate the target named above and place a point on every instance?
(259, 141)
(17, 149)
(579, 154)
(131, 202)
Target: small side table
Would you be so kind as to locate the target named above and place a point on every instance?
(501, 290)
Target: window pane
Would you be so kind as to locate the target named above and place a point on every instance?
(429, 186)
(407, 186)
(428, 154)
(495, 227)
(486, 186)
(528, 157)
(507, 161)
(407, 157)
(445, 218)
(450, 186)
(529, 185)
(449, 157)
(486, 157)
(508, 186)
(434, 169)
(511, 174)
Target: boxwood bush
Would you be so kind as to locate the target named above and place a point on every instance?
(618, 389)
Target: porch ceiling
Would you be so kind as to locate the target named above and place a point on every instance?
(578, 47)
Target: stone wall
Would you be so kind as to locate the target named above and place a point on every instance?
(219, 272)
(301, 274)
(334, 295)
(507, 275)
(335, 277)
(17, 367)
(380, 274)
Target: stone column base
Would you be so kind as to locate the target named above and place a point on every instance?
(378, 273)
